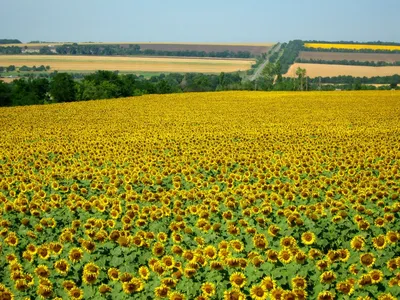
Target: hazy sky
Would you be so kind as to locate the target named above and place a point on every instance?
(200, 21)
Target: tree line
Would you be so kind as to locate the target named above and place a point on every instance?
(348, 62)
(61, 87)
(12, 68)
(9, 41)
(110, 50)
(350, 50)
(355, 43)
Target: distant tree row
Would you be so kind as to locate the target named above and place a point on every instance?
(348, 62)
(24, 68)
(10, 50)
(390, 80)
(109, 50)
(61, 87)
(350, 50)
(290, 53)
(9, 41)
(356, 43)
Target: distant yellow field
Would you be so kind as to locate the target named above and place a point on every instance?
(351, 46)
(144, 64)
(324, 70)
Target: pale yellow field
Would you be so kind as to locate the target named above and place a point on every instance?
(324, 70)
(351, 46)
(144, 64)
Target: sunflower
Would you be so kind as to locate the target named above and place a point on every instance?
(31, 248)
(189, 272)
(308, 238)
(299, 282)
(277, 293)
(43, 252)
(169, 282)
(326, 295)
(125, 277)
(238, 280)
(75, 254)
(387, 296)
(376, 276)
(75, 293)
(260, 241)
(379, 242)
(56, 248)
(113, 274)
(314, 253)
(272, 256)
(285, 256)
(144, 272)
(90, 273)
(134, 285)
(364, 280)
(68, 285)
(20, 285)
(391, 264)
(210, 252)
(345, 287)
(216, 265)
(61, 266)
(327, 277)
(104, 289)
(176, 296)
(234, 294)
(42, 271)
(176, 249)
(392, 237)
(300, 294)
(273, 230)
(353, 269)
(168, 261)
(357, 243)
(288, 242)
(208, 289)
(258, 292)
(158, 249)
(161, 291)
(237, 245)
(367, 259)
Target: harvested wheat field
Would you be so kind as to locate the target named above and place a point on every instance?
(145, 64)
(324, 70)
(386, 57)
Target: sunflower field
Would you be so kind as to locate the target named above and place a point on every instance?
(230, 195)
(352, 46)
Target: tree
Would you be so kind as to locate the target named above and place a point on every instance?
(62, 88)
(11, 68)
(301, 74)
(5, 94)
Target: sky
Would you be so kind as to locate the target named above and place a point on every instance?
(200, 21)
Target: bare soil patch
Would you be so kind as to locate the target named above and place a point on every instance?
(386, 57)
(324, 70)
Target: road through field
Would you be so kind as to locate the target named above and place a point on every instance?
(144, 64)
(257, 73)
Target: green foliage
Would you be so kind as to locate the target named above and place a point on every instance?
(62, 88)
